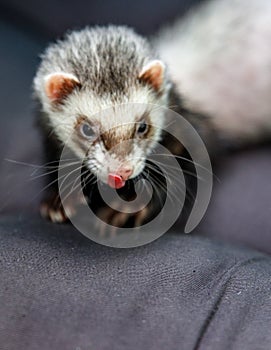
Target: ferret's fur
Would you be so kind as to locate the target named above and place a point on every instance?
(112, 79)
(107, 63)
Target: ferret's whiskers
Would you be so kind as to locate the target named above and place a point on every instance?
(47, 186)
(53, 171)
(172, 194)
(69, 174)
(164, 188)
(155, 187)
(189, 161)
(174, 171)
(75, 185)
(37, 166)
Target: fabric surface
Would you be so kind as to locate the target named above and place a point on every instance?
(59, 290)
(240, 207)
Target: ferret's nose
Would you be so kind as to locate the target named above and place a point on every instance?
(117, 179)
(125, 172)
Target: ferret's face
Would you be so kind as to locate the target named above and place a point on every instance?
(116, 141)
(114, 137)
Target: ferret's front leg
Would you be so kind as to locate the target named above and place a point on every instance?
(116, 214)
(120, 218)
(51, 206)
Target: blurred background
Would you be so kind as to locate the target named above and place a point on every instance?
(51, 18)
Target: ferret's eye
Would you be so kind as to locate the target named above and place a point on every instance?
(142, 128)
(87, 131)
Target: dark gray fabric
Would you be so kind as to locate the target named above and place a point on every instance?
(61, 291)
(240, 207)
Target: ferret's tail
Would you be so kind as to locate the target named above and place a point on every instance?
(219, 56)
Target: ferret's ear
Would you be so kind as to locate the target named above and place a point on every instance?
(153, 74)
(59, 85)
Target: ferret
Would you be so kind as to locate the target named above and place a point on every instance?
(189, 68)
(78, 84)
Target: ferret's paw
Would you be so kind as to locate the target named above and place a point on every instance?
(56, 215)
(53, 210)
(112, 220)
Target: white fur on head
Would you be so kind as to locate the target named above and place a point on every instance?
(82, 59)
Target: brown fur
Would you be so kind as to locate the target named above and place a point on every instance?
(58, 87)
(153, 76)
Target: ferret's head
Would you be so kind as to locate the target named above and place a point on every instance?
(102, 90)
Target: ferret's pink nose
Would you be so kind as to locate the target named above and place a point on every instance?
(117, 179)
(125, 172)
